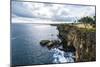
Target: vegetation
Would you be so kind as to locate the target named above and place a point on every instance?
(88, 20)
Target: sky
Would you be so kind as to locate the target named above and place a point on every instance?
(32, 12)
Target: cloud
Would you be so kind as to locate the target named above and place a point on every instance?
(50, 12)
(19, 9)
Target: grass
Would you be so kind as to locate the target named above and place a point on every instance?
(87, 28)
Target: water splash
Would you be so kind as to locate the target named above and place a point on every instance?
(59, 56)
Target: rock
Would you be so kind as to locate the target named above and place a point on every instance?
(50, 44)
(70, 48)
(44, 42)
(80, 39)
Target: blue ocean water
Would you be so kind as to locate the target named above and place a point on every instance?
(26, 48)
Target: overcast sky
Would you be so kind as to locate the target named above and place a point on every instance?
(32, 12)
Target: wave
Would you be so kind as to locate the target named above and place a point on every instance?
(59, 56)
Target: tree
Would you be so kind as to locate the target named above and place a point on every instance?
(88, 20)
(94, 21)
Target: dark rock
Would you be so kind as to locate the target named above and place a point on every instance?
(50, 44)
(70, 49)
(44, 42)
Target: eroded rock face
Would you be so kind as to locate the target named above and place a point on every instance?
(83, 41)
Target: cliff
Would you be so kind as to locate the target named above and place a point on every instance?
(83, 40)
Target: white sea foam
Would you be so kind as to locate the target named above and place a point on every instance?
(61, 57)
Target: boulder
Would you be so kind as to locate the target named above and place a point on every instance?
(50, 43)
(44, 42)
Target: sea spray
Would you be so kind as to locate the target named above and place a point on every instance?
(59, 56)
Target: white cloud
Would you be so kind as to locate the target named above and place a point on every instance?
(43, 12)
(56, 12)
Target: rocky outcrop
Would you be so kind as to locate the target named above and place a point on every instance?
(44, 42)
(50, 43)
(83, 41)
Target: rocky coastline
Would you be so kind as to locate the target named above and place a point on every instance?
(74, 39)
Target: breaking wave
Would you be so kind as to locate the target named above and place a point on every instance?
(59, 56)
